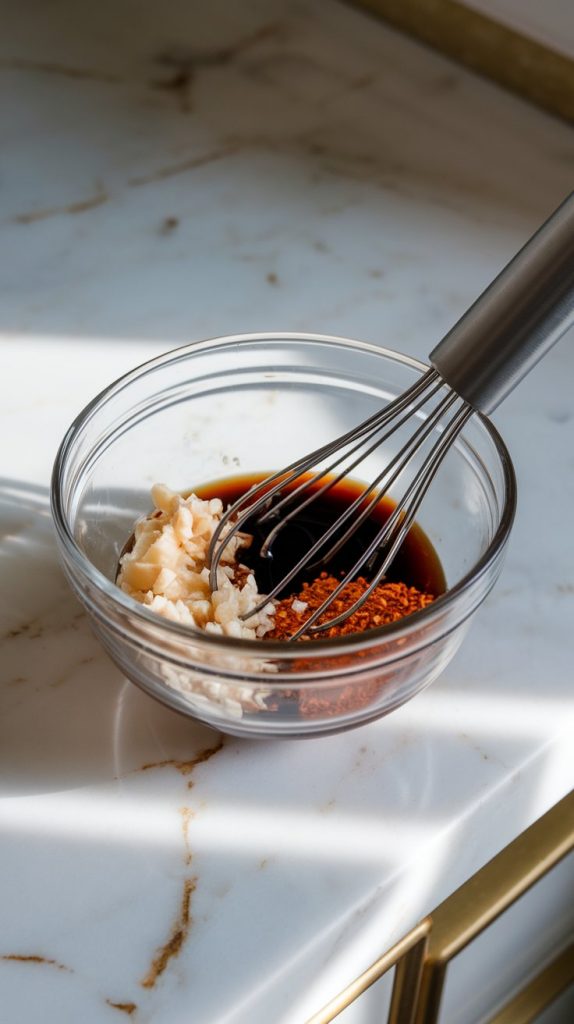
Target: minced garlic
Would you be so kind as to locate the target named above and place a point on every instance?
(166, 569)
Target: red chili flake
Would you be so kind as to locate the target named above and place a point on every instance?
(387, 603)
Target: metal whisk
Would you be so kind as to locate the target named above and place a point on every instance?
(493, 346)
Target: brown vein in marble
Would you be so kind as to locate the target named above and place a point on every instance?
(72, 672)
(184, 65)
(179, 84)
(32, 630)
(37, 626)
(186, 817)
(181, 927)
(34, 959)
(187, 61)
(17, 681)
(49, 68)
(185, 768)
(172, 170)
(168, 225)
(443, 186)
(56, 211)
(174, 944)
(128, 1008)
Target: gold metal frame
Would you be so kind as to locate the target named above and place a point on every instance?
(540, 992)
(515, 61)
(422, 956)
(408, 955)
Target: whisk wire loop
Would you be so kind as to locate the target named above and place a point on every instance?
(332, 481)
(389, 475)
(350, 450)
(262, 494)
(307, 559)
(391, 472)
(393, 532)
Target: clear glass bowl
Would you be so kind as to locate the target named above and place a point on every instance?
(250, 404)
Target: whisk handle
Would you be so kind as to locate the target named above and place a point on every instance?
(525, 310)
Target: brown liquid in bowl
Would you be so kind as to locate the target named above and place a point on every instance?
(416, 563)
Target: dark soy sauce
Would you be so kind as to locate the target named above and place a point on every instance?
(416, 563)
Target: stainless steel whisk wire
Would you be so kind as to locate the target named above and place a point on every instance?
(493, 346)
(396, 526)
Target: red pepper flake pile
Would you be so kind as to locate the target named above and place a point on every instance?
(387, 603)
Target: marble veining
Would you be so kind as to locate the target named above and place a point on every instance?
(177, 173)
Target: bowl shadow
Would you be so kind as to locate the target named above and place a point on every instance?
(61, 698)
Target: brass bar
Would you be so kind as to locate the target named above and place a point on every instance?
(515, 61)
(430, 992)
(421, 957)
(477, 903)
(415, 939)
(406, 984)
(540, 992)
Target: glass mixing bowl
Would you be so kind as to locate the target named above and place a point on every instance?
(250, 404)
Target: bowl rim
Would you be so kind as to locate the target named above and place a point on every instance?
(267, 649)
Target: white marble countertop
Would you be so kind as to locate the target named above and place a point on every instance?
(168, 175)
